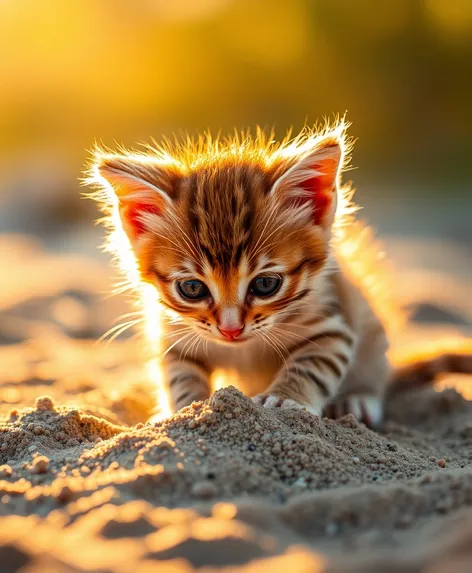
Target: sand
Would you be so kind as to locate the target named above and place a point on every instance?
(86, 484)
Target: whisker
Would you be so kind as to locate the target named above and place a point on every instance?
(178, 332)
(194, 344)
(270, 342)
(294, 362)
(164, 354)
(129, 314)
(200, 340)
(303, 337)
(187, 346)
(119, 328)
(119, 332)
(293, 335)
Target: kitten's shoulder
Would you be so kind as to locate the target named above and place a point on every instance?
(366, 273)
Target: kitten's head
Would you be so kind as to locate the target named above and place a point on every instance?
(231, 234)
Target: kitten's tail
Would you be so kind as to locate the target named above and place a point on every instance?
(423, 372)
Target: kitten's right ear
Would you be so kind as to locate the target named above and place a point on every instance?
(313, 178)
(143, 187)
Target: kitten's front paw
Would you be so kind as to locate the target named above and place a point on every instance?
(365, 408)
(271, 401)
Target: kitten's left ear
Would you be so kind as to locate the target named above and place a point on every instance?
(313, 179)
(143, 187)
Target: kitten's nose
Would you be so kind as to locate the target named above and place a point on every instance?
(231, 333)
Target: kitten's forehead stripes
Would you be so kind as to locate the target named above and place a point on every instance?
(220, 210)
(228, 218)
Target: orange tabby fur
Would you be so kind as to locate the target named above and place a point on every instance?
(224, 213)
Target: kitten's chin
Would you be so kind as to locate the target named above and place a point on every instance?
(234, 342)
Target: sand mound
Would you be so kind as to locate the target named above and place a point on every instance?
(260, 483)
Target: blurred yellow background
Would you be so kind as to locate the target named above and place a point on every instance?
(77, 71)
(74, 72)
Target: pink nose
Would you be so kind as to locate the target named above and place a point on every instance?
(231, 333)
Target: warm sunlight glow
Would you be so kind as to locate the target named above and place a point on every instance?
(147, 297)
(430, 345)
(366, 265)
(153, 327)
(224, 510)
(222, 378)
(430, 348)
(460, 382)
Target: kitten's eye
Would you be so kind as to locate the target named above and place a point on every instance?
(265, 285)
(193, 289)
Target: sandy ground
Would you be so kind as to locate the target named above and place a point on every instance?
(87, 485)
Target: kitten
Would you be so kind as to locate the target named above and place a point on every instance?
(247, 243)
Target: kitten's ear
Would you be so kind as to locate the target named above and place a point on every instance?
(313, 179)
(143, 187)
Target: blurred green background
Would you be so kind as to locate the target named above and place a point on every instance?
(77, 71)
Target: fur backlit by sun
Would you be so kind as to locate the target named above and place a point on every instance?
(353, 241)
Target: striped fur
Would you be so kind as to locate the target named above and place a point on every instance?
(226, 212)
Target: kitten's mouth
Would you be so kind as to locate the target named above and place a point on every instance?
(233, 341)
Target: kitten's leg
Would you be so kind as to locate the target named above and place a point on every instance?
(187, 381)
(314, 370)
(363, 389)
